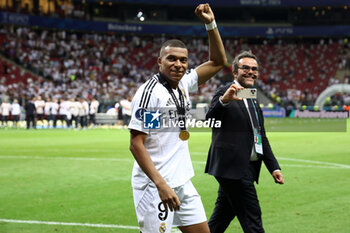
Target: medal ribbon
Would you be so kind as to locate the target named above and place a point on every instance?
(179, 106)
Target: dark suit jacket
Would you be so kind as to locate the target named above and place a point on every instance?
(231, 147)
(30, 108)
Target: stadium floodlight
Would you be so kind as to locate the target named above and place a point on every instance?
(139, 15)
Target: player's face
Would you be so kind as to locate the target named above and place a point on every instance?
(173, 63)
(247, 72)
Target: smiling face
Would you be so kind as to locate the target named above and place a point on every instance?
(247, 72)
(173, 63)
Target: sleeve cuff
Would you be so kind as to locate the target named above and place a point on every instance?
(222, 104)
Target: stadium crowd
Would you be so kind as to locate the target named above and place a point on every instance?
(111, 67)
(107, 66)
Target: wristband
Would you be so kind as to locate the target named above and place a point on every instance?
(210, 26)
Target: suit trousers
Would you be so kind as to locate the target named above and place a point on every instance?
(31, 119)
(237, 198)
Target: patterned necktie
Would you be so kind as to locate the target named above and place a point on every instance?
(253, 113)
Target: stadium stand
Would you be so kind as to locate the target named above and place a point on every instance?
(12, 74)
(117, 64)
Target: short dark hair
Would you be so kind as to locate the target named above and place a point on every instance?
(173, 43)
(243, 54)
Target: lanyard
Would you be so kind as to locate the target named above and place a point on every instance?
(179, 106)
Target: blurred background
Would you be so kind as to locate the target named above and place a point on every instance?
(74, 51)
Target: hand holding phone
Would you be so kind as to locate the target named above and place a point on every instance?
(247, 93)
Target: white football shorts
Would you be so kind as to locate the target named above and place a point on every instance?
(153, 218)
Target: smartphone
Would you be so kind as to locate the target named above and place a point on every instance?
(247, 93)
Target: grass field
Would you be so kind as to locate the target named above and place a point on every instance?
(67, 176)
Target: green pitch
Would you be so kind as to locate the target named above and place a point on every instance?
(81, 177)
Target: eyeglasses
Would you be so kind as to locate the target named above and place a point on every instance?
(247, 68)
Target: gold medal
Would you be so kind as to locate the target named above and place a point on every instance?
(184, 135)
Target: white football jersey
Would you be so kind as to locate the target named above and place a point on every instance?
(168, 152)
(39, 105)
(5, 109)
(47, 108)
(94, 107)
(15, 109)
(54, 108)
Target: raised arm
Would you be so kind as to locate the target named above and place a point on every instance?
(166, 194)
(217, 57)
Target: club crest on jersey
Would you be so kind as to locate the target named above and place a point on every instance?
(139, 114)
(151, 119)
(188, 107)
(162, 227)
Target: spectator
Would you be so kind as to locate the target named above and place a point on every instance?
(15, 113)
(54, 112)
(119, 109)
(83, 113)
(126, 105)
(5, 112)
(62, 112)
(93, 110)
(40, 105)
(47, 111)
(30, 113)
(74, 109)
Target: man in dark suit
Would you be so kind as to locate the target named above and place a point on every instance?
(30, 113)
(238, 147)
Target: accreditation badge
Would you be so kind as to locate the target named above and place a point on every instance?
(258, 142)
